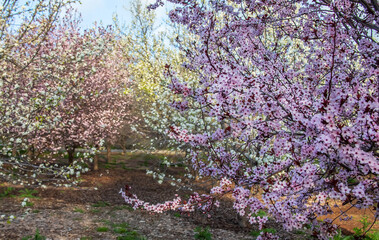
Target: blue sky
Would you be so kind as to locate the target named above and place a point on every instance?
(103, 10)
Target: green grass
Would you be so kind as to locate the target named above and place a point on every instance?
(127, 168)
(101, 204)
(79, 210)
(109, 166)
(123, 230)
(177, 215)
(145, 163)
(95, 210)
(29, 204)
(120, 230)
(340, 236)
(24, 193)
(269, 230)
(260, 213)
(364, 233)
(27, 193)
(7, 192)
(256, 233)
(37, 236)
(102, 229)
(144, 159)
(202, 233)
(132, 235)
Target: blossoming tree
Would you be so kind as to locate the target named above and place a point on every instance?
(294, 86)
(149, 50)
(72, 94)
(24, 25)
(90, 72)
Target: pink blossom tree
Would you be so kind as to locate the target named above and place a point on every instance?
(90, 70)
(73, 93)
(294, 86)
(22, 24)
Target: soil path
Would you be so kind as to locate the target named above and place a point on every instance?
(95, 209)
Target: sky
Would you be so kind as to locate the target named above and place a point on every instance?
(103, 10)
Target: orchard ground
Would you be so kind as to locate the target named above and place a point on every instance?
(95, 210)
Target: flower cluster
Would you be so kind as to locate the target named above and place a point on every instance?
(62, 91)
(295, 82)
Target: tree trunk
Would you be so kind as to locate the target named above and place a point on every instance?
(71, 153)
(31, 153)
(123, 149)
(95, 163)
(108, 153)
(14, 152)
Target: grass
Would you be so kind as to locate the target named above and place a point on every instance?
(202, 233)
(122, 229)
(37, 236)
(133, 235)
(101, 204)
(260, 213)
(143, 159)
(7, 192)
(102, 229)
(257, 232)
(177, 215)
(26, 193)
(105, 221)
(127, 168)
(79, 210)
(95, 210)
(115, 157)
(145, 163)
(364, 233)
(29, 204)
(109, 166)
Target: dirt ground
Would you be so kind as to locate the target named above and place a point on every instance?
(95, 210)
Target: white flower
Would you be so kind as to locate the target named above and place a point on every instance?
(24, 202)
